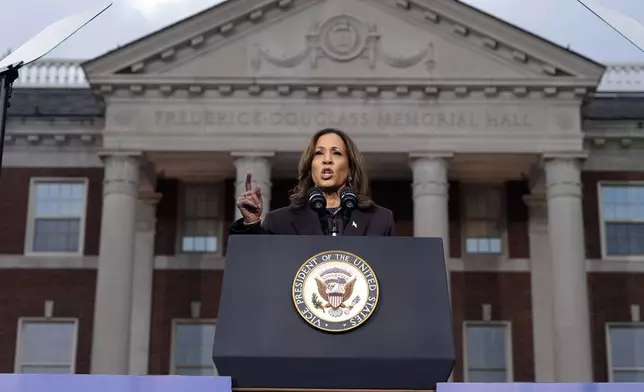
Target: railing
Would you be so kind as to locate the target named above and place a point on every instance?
(51, 73)
(623, 78)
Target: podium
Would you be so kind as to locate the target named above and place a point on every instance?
(317, 312)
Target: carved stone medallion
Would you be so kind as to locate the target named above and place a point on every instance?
(343, 38)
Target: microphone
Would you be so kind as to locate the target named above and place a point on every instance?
(348, 200)
(317, 201)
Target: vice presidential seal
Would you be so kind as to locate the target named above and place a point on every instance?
(335, 291)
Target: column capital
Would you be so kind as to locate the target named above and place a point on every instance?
(565, 156)
(146, 211)
(104, 155)
(252, 154)
(430, 155)
(122, 175)
(563, 177)
(149, 197)
(429, 174)
(535, 201)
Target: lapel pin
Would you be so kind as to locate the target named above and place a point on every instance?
(354, 224)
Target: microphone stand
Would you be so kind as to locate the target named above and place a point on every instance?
(7, 78)
(334, 227)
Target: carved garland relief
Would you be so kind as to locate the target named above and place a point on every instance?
(343, 38)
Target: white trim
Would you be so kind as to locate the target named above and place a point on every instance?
(53, 262)
(67, 320)
(185, 321)
(602, 226)
(186, 261)
(220, 189)
(29, 235)
(488, 263)
(607, 327)
(206, 262)
(508, 345)
(37, 156)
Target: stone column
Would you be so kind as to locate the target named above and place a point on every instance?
(111, 336)
(430, 192)
(541, 281)
(143, 283)
(573, 356)
(259, 164)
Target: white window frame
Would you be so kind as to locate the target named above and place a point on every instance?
(602, 224)
(45, 320)
(508, 346)
(31, 216)
(186, 321)
(609, 344)
(183, 188)
(502, 221)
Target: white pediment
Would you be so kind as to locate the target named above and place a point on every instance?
(352, 40)
(380, 40)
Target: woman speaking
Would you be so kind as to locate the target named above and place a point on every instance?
(331, 197)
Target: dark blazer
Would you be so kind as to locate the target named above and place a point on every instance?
(375, 221)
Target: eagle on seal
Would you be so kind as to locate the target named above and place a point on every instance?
(335, 293)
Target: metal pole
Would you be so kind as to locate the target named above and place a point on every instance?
(6, 82)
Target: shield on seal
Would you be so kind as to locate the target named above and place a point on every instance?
(335, 299)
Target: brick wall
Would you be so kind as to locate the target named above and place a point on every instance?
(173, 291)
(509, 295)
(24, 293)
(611, 295)
(14, 204)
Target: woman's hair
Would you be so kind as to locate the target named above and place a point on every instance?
(357, 178)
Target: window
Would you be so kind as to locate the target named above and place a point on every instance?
(488, 353)
(201, 219)
(482, 223)
(57, 216)
(192, 348)
(625, 352)
(46, 346)
(622, 211)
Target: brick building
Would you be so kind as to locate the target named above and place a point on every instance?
(119, 181)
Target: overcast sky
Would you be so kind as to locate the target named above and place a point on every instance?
(565, 22)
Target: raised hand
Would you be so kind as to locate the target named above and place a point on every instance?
(250, 202)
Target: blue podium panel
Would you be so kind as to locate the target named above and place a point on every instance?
(101, 383)
(540, 387)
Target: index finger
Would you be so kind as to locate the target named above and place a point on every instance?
(248, 178)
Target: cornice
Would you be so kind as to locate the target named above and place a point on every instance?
(57, 140)
(138, 86)
(610, 138)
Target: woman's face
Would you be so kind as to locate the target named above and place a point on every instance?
(330, 166)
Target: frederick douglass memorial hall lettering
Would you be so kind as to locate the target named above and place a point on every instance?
(378, 118)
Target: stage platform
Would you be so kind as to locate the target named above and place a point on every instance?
(101, 383)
